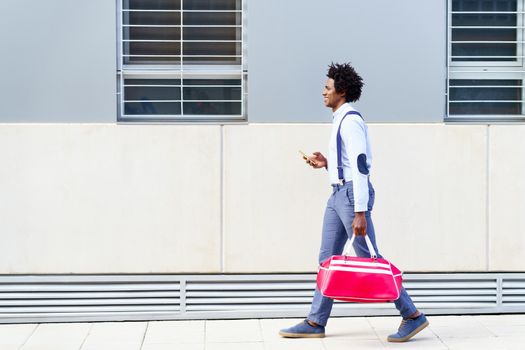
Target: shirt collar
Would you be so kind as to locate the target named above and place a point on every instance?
(342, 110)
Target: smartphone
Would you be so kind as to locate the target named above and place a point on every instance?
(305, 157)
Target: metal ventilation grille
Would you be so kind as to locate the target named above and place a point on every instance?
(439, 294)
(258, 294)
(513, 292)
(161, 297)
(452, 292)
(32, 298)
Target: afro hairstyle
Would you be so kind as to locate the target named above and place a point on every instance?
(346, 80)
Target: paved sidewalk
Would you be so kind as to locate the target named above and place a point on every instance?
(445, 332)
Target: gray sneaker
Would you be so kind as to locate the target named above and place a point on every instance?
(303, 330)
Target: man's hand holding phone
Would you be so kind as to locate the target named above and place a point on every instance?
(316, 160)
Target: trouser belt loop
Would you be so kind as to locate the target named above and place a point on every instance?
(336, 187)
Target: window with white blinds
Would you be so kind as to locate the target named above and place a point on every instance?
(486, 60)
(181, 60)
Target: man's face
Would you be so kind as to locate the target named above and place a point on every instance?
(331, 98)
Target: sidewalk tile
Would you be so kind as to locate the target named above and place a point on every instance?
(233, 331)
(418, 343)
(117, 331)
(270, 327)
(487, 320)
(129, 335)
(9, 346)
(384, 322)
(451, 321)
(505, 329)
(461, 331)
(61, 346)
(235, 346)
(14, 335)
(180, 332)
(172, 346)
(475, 343)
(111, 346)
(486, 332)
(58, 335)
(51, 333)
(350, 327)
(345, 344)
(294, 344)
(513, 343)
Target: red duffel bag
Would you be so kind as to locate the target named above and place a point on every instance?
(364, 280)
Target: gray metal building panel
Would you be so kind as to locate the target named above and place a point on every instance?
(58, 61)
(399, 47)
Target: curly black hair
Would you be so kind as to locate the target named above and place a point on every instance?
(346, 80)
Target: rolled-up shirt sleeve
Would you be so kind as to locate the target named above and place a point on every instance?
(354, 137)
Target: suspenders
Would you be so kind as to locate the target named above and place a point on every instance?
(340, 174)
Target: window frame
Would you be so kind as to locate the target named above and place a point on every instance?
(182, 71)
(488, 70)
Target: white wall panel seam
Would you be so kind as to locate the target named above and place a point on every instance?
(487, 204)
(222, 200)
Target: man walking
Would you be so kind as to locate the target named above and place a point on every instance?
(348, 210)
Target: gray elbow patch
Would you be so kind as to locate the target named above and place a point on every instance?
(361, 164)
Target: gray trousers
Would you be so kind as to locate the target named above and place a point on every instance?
(337, 229)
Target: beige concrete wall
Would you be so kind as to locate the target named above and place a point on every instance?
(164, 199)
(430, 185)
(507, 197)
(109, 198)
(431, 195)
(273, 202)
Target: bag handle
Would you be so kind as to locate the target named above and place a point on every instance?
(369, 244)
